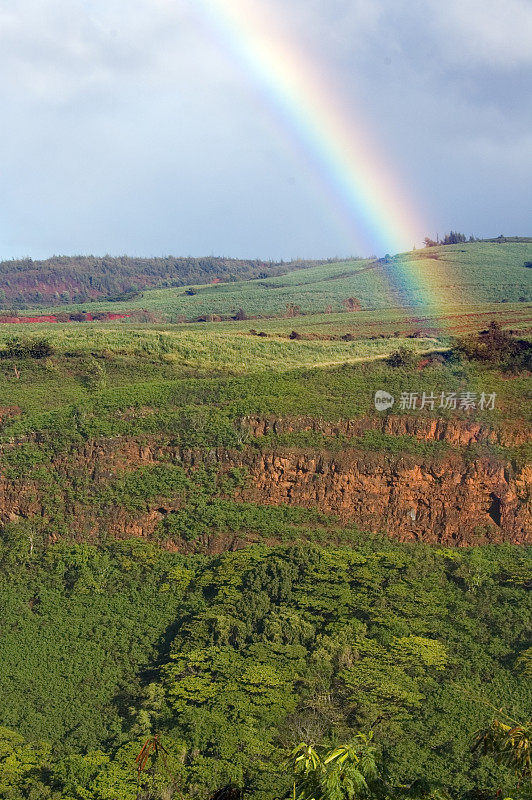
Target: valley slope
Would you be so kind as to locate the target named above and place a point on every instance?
(210, 533)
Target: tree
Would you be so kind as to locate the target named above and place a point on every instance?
(293, 310)
(20, 347)
(22, 765)
(524, 663)
(351, 304)
(511, 745)
(342, 773)
(453, 237)
(403, 357)
(41, 348)
(497, 346)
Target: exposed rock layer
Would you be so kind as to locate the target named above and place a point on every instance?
(456, 432)
(449, 499)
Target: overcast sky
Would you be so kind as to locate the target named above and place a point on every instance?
(129, 127)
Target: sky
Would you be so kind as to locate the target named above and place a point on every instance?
(146, 127)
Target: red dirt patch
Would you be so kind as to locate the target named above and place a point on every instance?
(88, 317)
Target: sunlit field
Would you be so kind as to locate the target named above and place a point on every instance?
(473, 273)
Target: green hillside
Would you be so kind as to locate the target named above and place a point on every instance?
(215, 545)
(471, 273)
(60, 279)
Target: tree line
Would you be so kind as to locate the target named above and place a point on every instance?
(78, 279)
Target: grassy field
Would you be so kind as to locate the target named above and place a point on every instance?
(99, 369)
(442, 277)
(332, 365)
(156, 431)
(467, 273)
(90, 356)
(451, 320)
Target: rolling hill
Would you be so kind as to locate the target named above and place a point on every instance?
(62, 279)
(445, 276)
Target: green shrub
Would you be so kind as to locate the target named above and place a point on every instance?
(21, 347)
(497, 346)
(403, 357)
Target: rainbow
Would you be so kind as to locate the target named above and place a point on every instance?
(355, 178)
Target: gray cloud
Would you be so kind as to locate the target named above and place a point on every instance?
(485, 32)
(130, 127)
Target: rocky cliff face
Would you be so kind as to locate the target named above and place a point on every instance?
(456, 432)
(451, 499)
(448, 501)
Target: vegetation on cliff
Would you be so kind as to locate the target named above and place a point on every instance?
(101, 433)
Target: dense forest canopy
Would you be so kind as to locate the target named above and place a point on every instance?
(232, 660)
